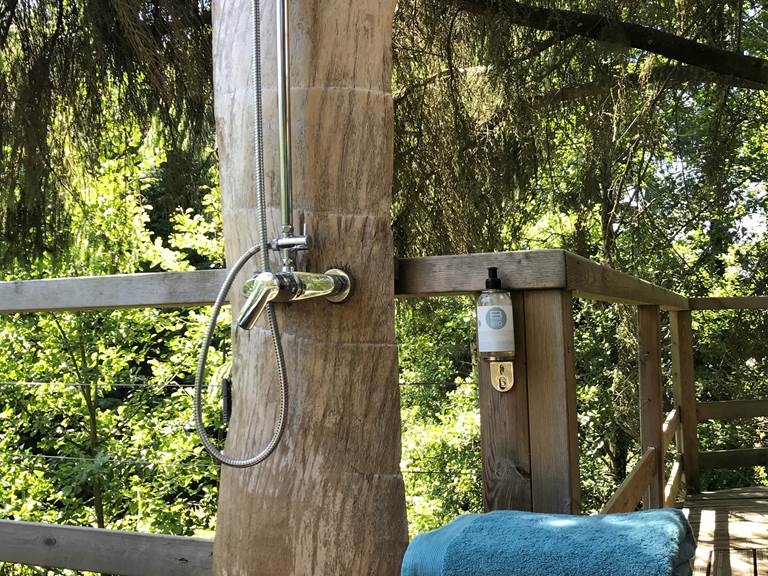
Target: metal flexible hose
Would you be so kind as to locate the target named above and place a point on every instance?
(263, 248)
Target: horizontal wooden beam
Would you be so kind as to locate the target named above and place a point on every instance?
(595, 281)
(634, 487)
(466, 273)
(105, 551)
(415, 277)
(731, 409)
(672, 487)
(730, 303)
(155, 289)
(668, 429)
(739, 458)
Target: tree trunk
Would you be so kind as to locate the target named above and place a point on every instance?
(330, 501)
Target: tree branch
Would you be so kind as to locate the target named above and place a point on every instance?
(625, 34)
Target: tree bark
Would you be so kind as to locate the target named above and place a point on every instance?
(627, 34)
(330, 501)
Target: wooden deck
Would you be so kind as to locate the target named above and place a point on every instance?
(731, 528)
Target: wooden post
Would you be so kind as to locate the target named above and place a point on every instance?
(330, 501)
(684, 388)
(649, 336)
(504, 430)
(552, 401)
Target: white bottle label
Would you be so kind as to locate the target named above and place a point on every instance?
(495, 329)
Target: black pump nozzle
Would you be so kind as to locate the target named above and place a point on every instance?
(493, 282)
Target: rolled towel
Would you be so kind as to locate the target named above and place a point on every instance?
(509, 543)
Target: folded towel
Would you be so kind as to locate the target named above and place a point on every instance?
(507, 543)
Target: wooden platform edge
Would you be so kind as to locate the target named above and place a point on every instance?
(105, 551)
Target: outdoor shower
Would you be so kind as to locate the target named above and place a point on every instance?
(267, 287)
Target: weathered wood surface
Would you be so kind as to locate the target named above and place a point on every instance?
(466, 273)
(588, 279)
(672, 487)
(684, 390)
(737, 458)
(669, 429)
(635, 485)
(729, 303)
(106, 551)
(731, 409)
(552, 401)
(649, 362)
(156, 289)
(416, 277)
(731, 527)
(330, 500)
(504, 432)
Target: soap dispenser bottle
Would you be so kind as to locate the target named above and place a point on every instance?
(496, 331)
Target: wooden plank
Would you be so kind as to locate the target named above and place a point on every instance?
(730, 303)
(738, 458)
(649, 362)
(106, 551)
(761, 561)
(635, 485)
(669, 429)
(155, 289)
(684, 390)
(589, 279)
(731, 409)
(504, 430)
(730, 562)
(552, 401)
(672, 487)
(466, 273)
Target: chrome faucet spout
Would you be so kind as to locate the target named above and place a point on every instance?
(261, 290)
(288, 286)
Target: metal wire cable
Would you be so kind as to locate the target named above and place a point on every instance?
(110, 460)
(137, 385)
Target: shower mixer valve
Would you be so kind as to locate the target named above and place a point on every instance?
(289, 286)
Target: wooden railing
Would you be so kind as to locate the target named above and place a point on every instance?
(732, 409)
(528, 435)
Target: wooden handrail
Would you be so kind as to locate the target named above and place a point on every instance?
(737, 458)
(417, 277)
(634, 487)
(730, 303)
(731, 409)
(668, 429)
(155, 289)
(105, 551)
(672, 487)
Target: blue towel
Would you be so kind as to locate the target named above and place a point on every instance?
(506, 543)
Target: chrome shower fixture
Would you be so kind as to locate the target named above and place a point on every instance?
(289, 286)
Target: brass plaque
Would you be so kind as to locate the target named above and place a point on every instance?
(503, 376)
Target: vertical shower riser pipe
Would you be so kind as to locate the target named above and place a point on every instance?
(284, 126)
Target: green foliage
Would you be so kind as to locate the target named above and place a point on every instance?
(97, 406)
(506, 138)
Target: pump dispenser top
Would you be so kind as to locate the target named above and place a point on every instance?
(493, 282)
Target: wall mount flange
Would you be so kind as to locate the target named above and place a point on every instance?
(343, 294)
